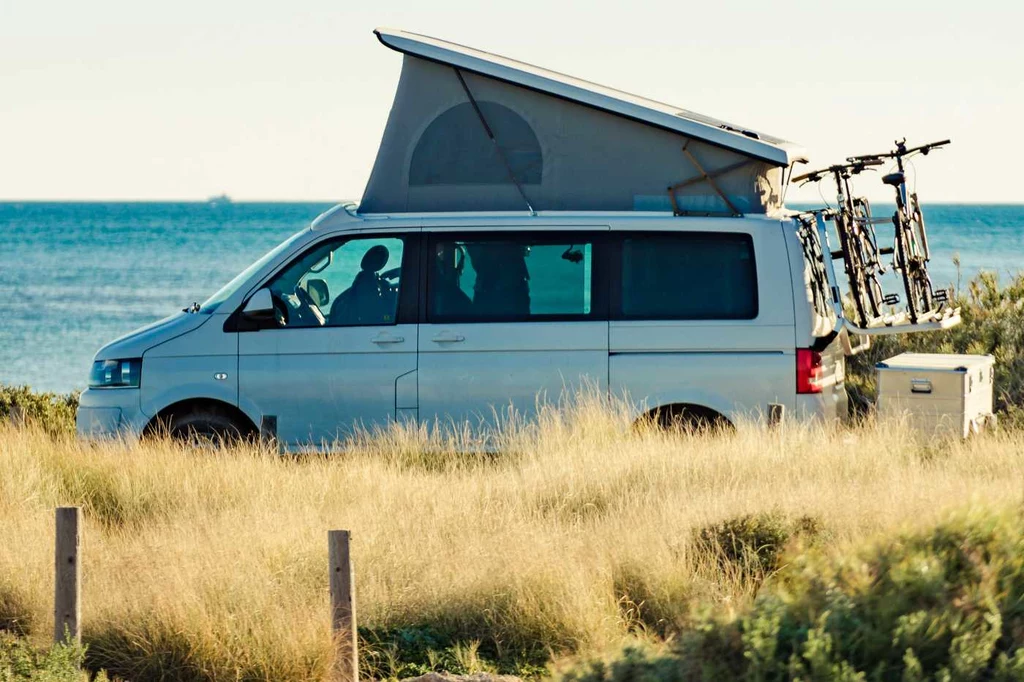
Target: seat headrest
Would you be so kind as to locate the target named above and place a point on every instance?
(375, 258)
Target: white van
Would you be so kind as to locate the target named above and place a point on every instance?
(523, 233)
(369, 319)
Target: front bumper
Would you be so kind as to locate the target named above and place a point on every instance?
(110, 413)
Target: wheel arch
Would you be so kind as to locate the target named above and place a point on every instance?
(162, 418)
(693, 413)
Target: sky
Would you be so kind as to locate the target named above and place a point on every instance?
(118, 99)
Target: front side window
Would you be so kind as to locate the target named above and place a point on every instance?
(354, 282)
(509, 278)
(691, 276)
(211, 304)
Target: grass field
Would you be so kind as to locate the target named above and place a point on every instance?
(582, 535)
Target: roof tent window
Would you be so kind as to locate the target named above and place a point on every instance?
(455, 150)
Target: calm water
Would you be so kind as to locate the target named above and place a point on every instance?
(75, 275)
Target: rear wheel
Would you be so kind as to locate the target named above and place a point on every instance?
(688, 419)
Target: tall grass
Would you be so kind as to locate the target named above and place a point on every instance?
(583, 532)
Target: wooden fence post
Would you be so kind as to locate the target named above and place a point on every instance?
(343, 606)
(67, 595)
(18, 416)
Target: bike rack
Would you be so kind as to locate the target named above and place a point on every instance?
(897, 323)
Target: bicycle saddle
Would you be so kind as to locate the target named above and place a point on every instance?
(894, 179)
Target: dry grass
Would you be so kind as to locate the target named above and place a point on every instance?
(212, 566)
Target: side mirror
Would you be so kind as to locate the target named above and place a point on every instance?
(260, 308)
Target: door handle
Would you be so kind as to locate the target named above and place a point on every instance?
(448, 337)
(384, 337)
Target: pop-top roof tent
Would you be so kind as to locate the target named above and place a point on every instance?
(472, 131)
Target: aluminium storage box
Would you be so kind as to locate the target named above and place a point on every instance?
(941, 395)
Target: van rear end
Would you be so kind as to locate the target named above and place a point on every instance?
(820, 353)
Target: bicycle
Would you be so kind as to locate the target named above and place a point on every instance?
(911, 253)
(811, 245)
(857, 240)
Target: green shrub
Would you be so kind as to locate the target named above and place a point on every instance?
(753, 543)
(20, 662)
(397, 653)
(946, 604)
(53, 412)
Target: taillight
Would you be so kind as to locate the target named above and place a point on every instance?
(808, 371)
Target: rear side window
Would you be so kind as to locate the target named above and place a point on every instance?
(691, 276)
(485, 278)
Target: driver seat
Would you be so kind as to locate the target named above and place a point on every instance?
(364, 302)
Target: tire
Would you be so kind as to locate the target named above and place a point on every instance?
(683, 419)
(206, 426)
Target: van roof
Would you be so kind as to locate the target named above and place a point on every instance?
(720, 133)
(346, 215)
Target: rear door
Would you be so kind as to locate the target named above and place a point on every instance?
(511, 318)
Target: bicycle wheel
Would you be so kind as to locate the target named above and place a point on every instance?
(917, 219)
(902, 263)
(876, 298)
(816, 266)
(922, 286)
(865, 230)
(854, 270)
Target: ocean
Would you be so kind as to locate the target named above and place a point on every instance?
(76, 275)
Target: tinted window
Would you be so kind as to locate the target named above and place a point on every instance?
(341, 284)
(694, 276)
(480, 279)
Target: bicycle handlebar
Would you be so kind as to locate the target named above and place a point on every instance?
(854, 166)
(900, 151)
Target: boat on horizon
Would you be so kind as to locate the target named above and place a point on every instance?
(219, 200)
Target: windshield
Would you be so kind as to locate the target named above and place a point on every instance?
(225, 292)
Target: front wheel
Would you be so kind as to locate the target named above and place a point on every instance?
(207, 426)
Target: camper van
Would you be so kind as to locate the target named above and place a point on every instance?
(523, 235)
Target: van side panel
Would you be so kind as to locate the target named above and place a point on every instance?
(735, 367)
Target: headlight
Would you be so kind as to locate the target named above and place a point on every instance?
(116, 373)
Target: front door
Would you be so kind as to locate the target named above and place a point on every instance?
(344, 338)
(512, 319)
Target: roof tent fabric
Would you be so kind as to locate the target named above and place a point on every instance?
(437, 155)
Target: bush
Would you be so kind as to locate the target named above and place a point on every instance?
(753, 543)
(20, 662)
(993, 324)
(55, 413)
(942, 604)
